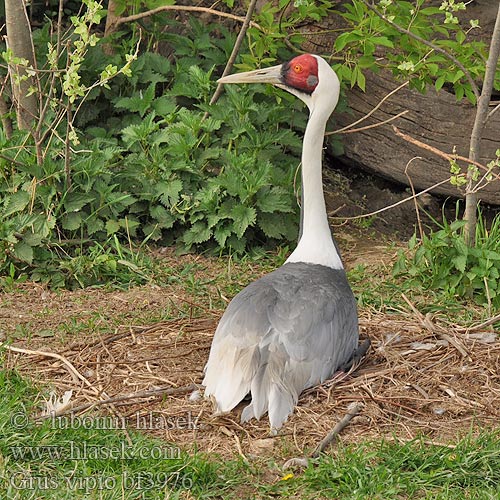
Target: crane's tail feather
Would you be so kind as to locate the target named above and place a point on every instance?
(228, 376)
(275, 390)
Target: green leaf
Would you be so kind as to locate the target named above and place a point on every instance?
(163, 216)
(76, 201)
(342, 40)
(164, 105)
(112, 226)
(361, 81)
(33, 239)
(267, 222)
(140, 103)
(198, 233)
(242, 217)
(72, 221)
(439, 82)
(168, 191)
(460, 37)
(23, 252)
(221, 234)
(460, 262)
(382, 40)
(94, 224)
(16, 202)
(274, 199)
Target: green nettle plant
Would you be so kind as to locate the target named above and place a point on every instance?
(139, 155)
(126, 148)
(443, 262)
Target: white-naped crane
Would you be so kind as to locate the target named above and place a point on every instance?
(292, 328)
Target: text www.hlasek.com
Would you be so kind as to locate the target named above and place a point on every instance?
(140, 481)
(84, 451)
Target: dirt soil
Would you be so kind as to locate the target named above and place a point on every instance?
(420, 376)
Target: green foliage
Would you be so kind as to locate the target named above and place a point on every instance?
(370, 34)
(443, 262)
(129, 149)
(280, 25)
(155, 163)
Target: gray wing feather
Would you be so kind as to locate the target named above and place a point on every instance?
(283, 333)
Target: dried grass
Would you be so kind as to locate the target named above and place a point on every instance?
(419, 377)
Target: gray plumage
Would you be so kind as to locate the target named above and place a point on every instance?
(287, 331)
(293, 328)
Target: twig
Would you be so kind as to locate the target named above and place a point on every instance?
(347, 127)
(480, 326)
(352, 410)
(374, 125)
(427, 323)
(431, 45)
(436, 151)
(412, 187)
(238, 447)
(493, 111)
(236, 48)
(47, 354)
(159, 391)
(400, 202)
(187, 8)
(302, 462)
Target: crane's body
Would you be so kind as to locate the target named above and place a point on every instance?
(294, 327)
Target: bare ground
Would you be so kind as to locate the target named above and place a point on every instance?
(422, 376)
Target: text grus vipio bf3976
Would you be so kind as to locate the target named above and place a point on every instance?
(293, 328)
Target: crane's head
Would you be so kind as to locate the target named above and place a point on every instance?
(309, 77)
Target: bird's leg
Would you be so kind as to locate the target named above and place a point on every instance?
(357, 355)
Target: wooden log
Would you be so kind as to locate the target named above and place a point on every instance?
(435, 118)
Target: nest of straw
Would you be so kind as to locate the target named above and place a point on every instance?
(418, 378)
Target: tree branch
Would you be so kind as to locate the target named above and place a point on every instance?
(187, 8)
(363, 118)
(236, 48)
(352, 410)
(470, 215)
(438, 152)
(434, 47)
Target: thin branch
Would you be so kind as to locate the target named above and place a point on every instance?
(434, 47)
(352, 411)
(400, 202)
(302, 462)
(493, 111)
(163, 8)
(470, 212)
(54, 355)
(347, 127)
(436, 151)
(480, 326)
(412, 187)
(148, 393)
(44, 108)
(373, 125)
(427, 323)
(236, 48)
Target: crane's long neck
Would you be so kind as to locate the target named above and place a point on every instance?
(316, 245)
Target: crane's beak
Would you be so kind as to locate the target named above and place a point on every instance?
(267, 75)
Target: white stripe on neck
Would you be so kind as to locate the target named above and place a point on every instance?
(316, 244)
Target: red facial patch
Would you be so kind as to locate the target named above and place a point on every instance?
(301, 73)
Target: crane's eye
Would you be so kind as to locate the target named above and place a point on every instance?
(301, 73)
